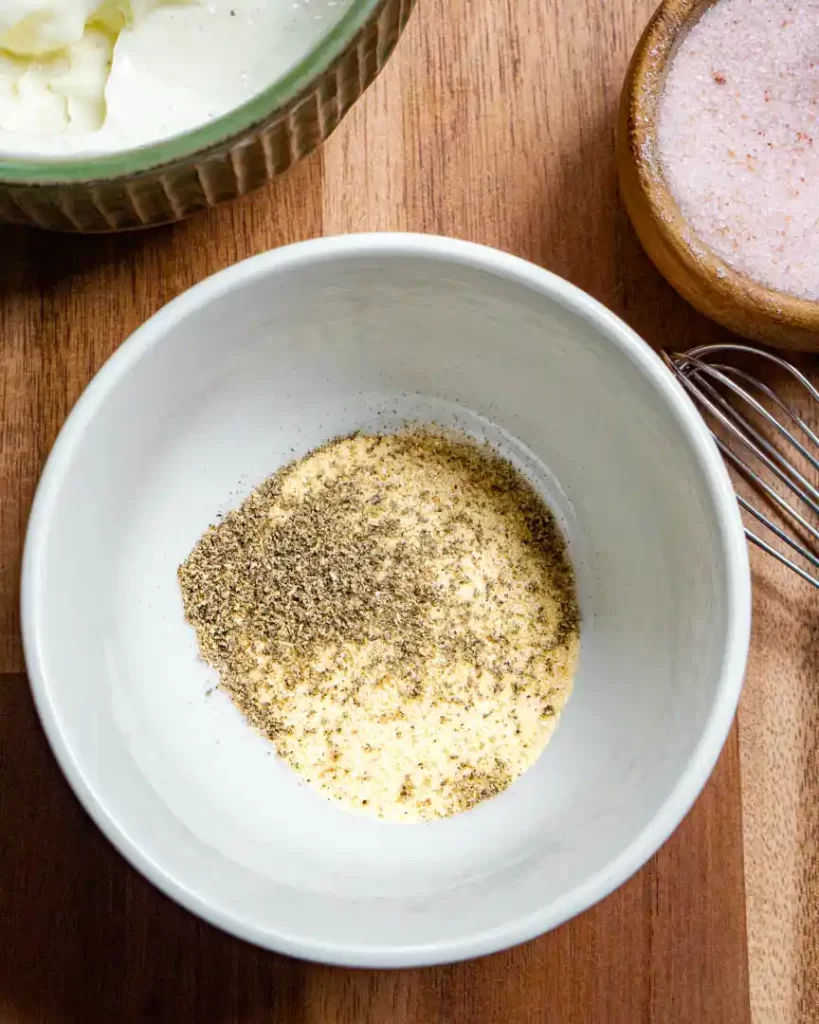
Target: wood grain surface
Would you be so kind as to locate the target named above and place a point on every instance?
(494, 122)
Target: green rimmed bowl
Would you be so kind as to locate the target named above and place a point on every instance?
(223, 159)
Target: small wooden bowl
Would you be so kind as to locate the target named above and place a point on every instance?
(698, 274)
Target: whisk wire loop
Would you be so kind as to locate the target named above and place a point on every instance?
(743, 410)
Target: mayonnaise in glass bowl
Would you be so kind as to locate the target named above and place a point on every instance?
(117, 114)
(80, 77)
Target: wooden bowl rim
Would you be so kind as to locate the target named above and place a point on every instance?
(672, 20)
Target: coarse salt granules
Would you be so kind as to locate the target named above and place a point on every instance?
(738, 134)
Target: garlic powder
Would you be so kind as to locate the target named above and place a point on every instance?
(398, 615)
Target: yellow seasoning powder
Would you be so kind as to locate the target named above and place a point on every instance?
(397, 614)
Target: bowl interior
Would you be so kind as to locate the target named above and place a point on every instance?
(257, 366)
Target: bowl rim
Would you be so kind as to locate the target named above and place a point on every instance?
(30, 169)
(725, 511)
(668, 26)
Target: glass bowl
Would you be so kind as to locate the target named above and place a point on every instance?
(223, 159)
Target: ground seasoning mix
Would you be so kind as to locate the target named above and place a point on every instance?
(397, 614)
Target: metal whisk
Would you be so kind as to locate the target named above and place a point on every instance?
(754, 427)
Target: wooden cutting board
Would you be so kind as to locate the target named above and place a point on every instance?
(494, 122)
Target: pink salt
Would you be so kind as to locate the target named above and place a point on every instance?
(738, 136)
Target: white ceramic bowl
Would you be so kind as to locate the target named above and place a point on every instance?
(266, 360)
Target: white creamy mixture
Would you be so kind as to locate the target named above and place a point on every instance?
(84, 76)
